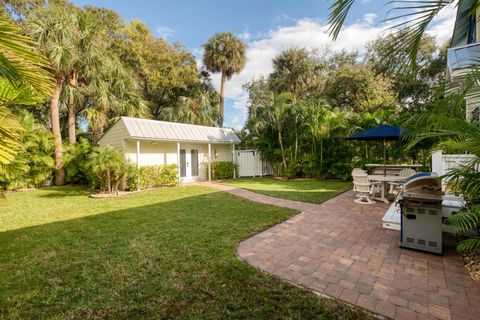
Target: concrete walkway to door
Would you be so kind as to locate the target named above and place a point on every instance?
(339, 249)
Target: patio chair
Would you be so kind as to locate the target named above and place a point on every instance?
(363, 187)
(395, 186)
(357, 171)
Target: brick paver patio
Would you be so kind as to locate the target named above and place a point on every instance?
(340, 249)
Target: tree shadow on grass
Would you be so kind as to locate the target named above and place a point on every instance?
(171, 259)
(65, 191)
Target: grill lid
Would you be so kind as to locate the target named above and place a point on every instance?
(423, 188)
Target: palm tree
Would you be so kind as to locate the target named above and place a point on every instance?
(24, 79)
(201, 107)
(88, 53)
(110, 93)
(411, 21)
(224, 53)
(53, 28)
(293, 72)
(276, 116)
(322, 123)
(109, 167)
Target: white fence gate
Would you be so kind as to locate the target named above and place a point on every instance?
(441, 163)
(250, 164)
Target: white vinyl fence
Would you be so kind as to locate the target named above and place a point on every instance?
(250, 164)
(441, 163)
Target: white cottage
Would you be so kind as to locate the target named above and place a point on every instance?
(191, 147)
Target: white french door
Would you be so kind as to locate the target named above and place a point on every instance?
(188, 164)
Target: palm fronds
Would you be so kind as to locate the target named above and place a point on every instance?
(338, 13)
(409, 22)
(20, 62)
(24, 79)
(9, 129)
(464, 221)
(462, 224)
(468, 244)
(20, 94)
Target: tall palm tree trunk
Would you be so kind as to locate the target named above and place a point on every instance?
(296, 140)
(222, 99)
(72, 121)
(55, 118)
(321, 154)
(280, 140)
(97, 133)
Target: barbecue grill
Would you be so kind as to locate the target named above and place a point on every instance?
(421, 219)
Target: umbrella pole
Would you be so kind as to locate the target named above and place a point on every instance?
(384, 158)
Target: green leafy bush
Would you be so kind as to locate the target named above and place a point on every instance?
(75, 160)
(223, 170)
(152, 176)
(33, 165)
(108, 166)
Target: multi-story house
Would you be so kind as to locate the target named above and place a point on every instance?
(464, 53)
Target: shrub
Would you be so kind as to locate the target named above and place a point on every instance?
(223, 170)
(33, 165)
(108, 166)
(152, 176)
(169, 175)
(75, 160)
(295, 169)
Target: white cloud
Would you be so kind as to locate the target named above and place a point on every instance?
(245, 35)
(165, 32)
(310, 34)
(369, 18)
(284, 17)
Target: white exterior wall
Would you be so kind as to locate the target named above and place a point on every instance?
(159, 153)
(441, 163)
(151, 152)
(114, 136)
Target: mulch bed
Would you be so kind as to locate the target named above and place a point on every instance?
(472, 263)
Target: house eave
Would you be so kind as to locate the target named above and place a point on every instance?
(132, 138)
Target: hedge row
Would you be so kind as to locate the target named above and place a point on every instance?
(223, 170)
(153, 176)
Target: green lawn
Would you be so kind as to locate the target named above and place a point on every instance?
(167, 253)
(313, 191)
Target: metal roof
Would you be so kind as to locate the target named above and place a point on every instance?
(162, 130)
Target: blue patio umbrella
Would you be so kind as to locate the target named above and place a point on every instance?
(382, 133)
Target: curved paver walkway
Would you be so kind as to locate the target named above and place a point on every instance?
(340, 249)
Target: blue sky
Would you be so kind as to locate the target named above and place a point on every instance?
(267, 26)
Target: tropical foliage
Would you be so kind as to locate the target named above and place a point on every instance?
(109, 168)
(165, 72)
(300, 114)
(23, 80)
(33, 164)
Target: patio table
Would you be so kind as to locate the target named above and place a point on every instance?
(383, 183)
(392, 169)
